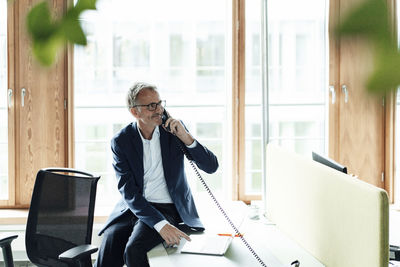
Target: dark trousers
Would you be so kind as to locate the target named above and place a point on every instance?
(128, 240)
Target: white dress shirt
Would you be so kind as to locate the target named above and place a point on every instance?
(154, 186)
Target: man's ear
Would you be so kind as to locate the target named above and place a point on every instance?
(134, 112)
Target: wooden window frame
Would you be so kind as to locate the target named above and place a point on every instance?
(390, 118)
(238, 105)
(238, 100)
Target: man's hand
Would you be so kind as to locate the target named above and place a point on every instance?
(178, 130)
(172, 235)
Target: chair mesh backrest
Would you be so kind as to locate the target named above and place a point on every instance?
(60, 216)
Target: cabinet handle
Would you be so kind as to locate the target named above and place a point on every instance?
(23, 92)
(332, 90)
(9, 93)
(346, 93)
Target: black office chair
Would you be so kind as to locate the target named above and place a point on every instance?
(60, 220)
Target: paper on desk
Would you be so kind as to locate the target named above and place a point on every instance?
(207, 244)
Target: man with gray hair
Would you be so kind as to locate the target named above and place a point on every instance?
(156, 198)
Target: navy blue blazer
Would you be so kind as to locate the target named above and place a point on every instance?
(127, 151)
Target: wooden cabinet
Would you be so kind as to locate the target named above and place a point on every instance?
(361, 118)
(37, 121)
(357, 119)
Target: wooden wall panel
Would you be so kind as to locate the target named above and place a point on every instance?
(41, 118)
(356, 127)
(361, 132)
(361, 139)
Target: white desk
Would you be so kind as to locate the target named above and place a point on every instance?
(271, 245)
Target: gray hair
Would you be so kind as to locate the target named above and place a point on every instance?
(135, 90)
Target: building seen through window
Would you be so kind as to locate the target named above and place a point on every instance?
(188, 55)
(297, 81)
(298, 74)
(184, 53)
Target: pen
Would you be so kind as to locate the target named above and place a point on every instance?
(237, 235)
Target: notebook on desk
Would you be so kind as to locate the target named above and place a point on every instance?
(207, 244)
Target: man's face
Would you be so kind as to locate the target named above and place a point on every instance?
(142, 114)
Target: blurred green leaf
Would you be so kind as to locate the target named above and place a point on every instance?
(46, 51)
(49, 35)
(44, 34)
(386, 75)
(73, 32)
(82, 5)
(371, 20)
(39, 22)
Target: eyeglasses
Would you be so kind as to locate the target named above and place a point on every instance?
(152, 106)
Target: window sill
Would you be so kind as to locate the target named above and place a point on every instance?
(19, 216)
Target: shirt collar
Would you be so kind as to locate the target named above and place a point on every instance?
(156, 134)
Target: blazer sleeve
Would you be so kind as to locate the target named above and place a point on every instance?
(204, 158)
(129, 189)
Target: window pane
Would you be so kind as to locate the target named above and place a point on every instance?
(253, 99)
(297, 63)
(297, 80)
(3, 103)
(185, 54)
(298, 128)
(253, 164)
(94, 128)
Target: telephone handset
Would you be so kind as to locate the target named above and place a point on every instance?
(164, 118)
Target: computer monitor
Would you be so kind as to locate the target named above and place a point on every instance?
(328, 162)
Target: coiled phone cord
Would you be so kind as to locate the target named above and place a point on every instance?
(190, 159)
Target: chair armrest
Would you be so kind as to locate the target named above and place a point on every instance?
(77, 253)
(394, 252)
(5, 244)
(7, 240)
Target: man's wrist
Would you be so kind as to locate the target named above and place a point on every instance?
(158, 226)
(193, 144)
(188, 141)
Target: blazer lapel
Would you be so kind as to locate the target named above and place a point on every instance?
(136, 140)
(165, 150)
(137, 144)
